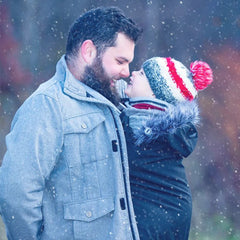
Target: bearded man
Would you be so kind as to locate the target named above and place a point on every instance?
(65, 172)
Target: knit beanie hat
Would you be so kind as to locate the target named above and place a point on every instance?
(172, 82)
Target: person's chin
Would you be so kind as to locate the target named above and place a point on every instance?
(128, 91)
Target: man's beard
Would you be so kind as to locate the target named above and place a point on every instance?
(96, 78)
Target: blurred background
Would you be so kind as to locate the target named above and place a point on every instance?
(33, 37)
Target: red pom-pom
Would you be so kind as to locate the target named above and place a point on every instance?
(202, 74)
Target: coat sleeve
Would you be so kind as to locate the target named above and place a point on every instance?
(33, 145)
(184, 139)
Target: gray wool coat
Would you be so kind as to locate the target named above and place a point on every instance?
(65, 173)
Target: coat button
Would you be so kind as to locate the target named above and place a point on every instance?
(89, 214)
(114, 145)
(148, 131)
(84, 125)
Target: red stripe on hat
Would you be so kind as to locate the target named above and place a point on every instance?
(178, 80)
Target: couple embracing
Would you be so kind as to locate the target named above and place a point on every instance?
(77, 167)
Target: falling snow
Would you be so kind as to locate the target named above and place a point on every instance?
(33, 37)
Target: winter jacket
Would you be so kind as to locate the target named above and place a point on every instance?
(65, 172)
(157, 142)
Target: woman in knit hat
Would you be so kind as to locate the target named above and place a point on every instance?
(159, 125)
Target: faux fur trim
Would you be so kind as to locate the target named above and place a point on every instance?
(148, 125)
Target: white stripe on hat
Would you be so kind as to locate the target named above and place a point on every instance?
(175, 91)
(184, 74)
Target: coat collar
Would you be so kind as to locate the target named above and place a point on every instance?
(76, 89)
(148, 125)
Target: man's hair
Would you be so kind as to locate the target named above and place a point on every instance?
(101, 25)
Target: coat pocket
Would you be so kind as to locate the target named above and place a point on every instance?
(84, 137)
(83, 123)
(92, 219)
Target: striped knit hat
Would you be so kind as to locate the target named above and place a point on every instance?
(172, 82)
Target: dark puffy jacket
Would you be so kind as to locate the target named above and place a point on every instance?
(157, 142)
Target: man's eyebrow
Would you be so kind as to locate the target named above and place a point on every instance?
(123, 59)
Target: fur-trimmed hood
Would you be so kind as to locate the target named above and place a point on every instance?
(148, 125)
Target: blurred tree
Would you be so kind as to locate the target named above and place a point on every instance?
(12, 73)
(222, 117)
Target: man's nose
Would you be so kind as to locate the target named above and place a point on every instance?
(125, 72)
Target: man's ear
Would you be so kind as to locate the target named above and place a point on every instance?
(88, 51)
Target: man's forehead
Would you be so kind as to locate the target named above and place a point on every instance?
(124, 47)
